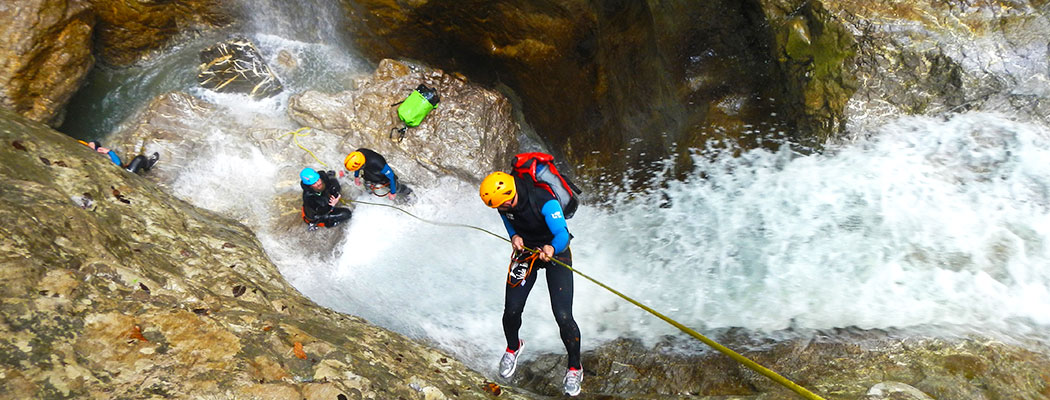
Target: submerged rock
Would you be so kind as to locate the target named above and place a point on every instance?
(115, 289)
(895, 390)
(235, 66)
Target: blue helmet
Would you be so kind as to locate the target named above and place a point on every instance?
(309, 176)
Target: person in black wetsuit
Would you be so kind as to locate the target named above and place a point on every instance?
(320, 196)
(378, 176)
(139, 163)
(533, 218)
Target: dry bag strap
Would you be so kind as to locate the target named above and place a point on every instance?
(400, 130)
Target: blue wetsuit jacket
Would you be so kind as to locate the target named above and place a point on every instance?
(376, 170)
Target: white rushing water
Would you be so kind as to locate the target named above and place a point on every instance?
(931, 223)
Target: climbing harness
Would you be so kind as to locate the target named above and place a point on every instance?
(378, 189)
(801, 391)
(520, 267)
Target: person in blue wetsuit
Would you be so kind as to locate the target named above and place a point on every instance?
(378, 176)
(533, 218)
(139, 163)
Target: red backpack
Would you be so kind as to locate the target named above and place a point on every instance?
(539, 167)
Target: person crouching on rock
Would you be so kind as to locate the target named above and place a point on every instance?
(320, 195)
(139, 163)
(379, 177)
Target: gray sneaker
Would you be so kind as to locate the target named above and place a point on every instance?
(573, 381)
(509, 363)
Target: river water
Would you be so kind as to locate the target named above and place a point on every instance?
(939, 225)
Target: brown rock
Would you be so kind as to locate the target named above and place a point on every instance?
(45, 54)
(469, 134)
(623, 84)
(594, 78)
(129, 29)
(813, 53)
(73, 297)
(846, 364)
(235, 66)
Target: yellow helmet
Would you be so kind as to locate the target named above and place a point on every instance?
(497, 188)
(354, 161)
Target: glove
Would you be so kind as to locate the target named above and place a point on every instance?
(342, 174)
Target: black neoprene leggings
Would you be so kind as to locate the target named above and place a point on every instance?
(559, 283)
(333, 218)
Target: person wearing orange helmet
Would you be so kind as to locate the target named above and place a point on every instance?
(533, 218)
(378, 176)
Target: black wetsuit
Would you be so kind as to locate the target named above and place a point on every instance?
(376, 172)
(140, 163)
(528, 221)
(315, 204)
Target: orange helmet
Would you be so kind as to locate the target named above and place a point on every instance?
(354, 161)
(497, 188)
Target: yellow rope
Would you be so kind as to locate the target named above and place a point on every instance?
(295, 137)
(717, 346)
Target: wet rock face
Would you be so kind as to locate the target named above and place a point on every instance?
(936, 57)
(114, 288)
(45, 54)
(620, 84)
(813, 53)
(468, 135)
(867, 365)
(235, 66)
(609, 84)
(129, 29)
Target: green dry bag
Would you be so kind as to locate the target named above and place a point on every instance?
(416, 107)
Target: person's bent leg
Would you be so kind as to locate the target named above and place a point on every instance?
(513, 305)
(559, 282)
(137, 164)
(337, 216)
(404, 194)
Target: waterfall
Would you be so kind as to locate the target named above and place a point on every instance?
(930, 223)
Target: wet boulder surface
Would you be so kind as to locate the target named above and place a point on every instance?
(838, 364)
(114, 288)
